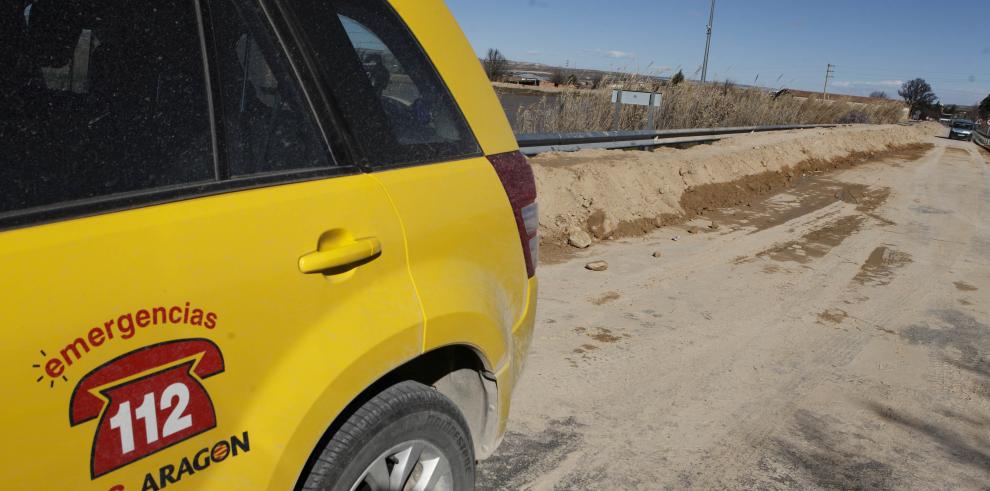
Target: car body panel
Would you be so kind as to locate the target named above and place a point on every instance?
(464, 246)
(291, 350)
(465, 254)
(522, 338)
(296, 347)
(961, 128)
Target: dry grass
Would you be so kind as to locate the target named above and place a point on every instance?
(693, 106)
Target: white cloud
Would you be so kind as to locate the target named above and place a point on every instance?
(619, 54)
(867, 83)
(613, 53)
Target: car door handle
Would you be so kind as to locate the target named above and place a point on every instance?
(339, 257)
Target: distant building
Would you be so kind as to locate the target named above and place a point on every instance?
(528, 78)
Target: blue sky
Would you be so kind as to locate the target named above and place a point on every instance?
(875, 45)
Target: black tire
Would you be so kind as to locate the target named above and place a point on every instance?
(407, 411)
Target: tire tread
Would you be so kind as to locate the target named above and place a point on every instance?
(401, 398)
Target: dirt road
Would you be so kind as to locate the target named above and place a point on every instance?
(834, 336)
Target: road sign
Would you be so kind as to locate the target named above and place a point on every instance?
(651, 100)
(638, 98)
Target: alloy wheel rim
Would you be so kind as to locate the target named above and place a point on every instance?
(415, 465)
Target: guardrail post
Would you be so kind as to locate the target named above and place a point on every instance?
(981, 139)
(650, 110)
(618, 110)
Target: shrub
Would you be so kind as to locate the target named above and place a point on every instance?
(689, 105)
(854, 117)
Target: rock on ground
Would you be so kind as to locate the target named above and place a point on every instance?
(579, 239)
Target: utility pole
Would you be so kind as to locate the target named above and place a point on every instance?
(829, 72)
(708, 42)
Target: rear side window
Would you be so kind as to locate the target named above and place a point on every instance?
(267, 123)
(388, 90)
(100, 98)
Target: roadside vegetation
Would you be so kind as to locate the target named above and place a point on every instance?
(495, 64)
(919, 96)
(925, 105)
(689, 105)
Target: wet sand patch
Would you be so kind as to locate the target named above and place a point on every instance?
(606, 298)
(832, 316)
(879, 268)
(697, 200)
(603, 335)
(964, 287)
(816, 243)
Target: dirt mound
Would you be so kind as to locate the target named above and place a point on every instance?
(612, 193)
(696, 200)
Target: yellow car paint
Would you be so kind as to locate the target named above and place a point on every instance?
(297, 347)
(446, 268)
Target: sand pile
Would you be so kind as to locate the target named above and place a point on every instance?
(610, 193)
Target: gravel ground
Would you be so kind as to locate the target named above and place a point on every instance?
(833, 336)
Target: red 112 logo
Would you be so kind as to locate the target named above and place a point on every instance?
(147, 400)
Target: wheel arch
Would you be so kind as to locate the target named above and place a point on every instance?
(459, 372)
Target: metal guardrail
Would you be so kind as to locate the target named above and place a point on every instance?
(534, 143)
(982, 138)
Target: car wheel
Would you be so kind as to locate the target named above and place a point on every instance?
(408, 437)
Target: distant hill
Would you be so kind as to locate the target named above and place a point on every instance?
(588, 74)
(836, 97)
(579, 73)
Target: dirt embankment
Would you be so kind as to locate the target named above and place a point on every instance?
(611, 193)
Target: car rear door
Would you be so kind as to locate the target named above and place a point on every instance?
(471, 259)
(193, 284)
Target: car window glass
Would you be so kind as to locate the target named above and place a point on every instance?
(100, 98)
(385, 87)
(415, 116)
(269, 127)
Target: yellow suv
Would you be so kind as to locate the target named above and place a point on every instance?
(256, 244)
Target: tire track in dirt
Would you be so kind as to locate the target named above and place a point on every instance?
(756, 421)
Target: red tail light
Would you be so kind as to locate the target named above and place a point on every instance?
(517, 178)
